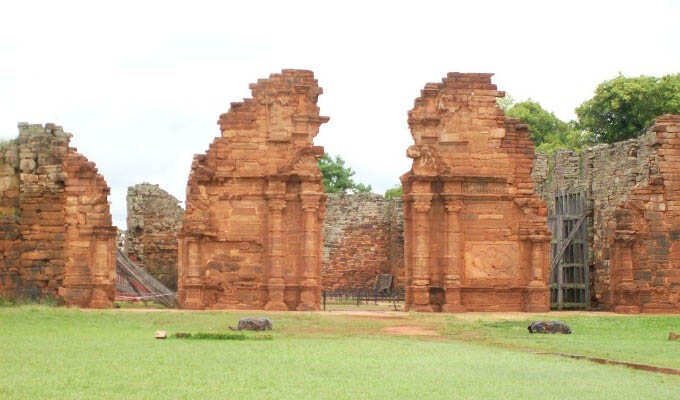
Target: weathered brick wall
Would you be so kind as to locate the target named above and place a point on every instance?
(629, 174)
(57, 234)
(476, 237)
(363, 237)
(153, 217)
(11, 282)
(251, 236)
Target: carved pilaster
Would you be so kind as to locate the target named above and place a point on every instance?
(276, 284)
(193, 286)
(309, 288)
(538, 292)
(453, 256)
(626, 290)
(539, 243)
(102, 262)
(421, 252)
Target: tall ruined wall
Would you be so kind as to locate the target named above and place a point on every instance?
(363, 237)
(476, 233)
(153, 217)
(251, 236)
(58, 239)
(630, 180)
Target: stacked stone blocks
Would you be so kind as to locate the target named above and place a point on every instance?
(633, 216)
(153, 218)
(58, 237)
(251, 235)
(476, 233)
(363, 237)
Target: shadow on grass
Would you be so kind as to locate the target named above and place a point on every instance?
(219, 336)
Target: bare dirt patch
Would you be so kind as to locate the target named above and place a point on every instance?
(410, 330)
(369, 314)
(519, 316)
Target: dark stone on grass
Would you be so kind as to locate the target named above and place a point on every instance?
(549, 327)
(254, 324)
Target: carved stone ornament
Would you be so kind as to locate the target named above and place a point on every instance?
(426, 160)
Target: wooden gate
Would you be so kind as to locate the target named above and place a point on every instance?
(569, 280)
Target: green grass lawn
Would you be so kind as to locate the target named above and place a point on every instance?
(638, 339)
(65, 353)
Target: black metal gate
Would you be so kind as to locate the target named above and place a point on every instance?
(569, 280)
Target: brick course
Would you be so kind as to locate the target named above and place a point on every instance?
(363, 237)
(633, 215)
(476, 233)
(251, 235)
(58, 237)
(153, 218)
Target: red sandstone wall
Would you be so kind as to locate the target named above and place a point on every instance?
(363, 237)
(153, 218)
(251, 235)
(59, 240)
(644, 233)
(476, 234)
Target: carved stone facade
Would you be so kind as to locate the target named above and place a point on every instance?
(252, 232)
(58, 237)
(633, 189)
(153, 218)
(476, 236)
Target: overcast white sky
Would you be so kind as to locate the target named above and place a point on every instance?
(141, 84)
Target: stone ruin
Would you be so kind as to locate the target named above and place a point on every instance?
(472, 235)
(251, 235)
(57, 236)
(476, 236)
(363, 237)
(633, 188)
(153, 218)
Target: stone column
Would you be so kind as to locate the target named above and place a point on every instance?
(309, 286)
(276, 284)
(321, 215)
(101, 260)
(453, 256)
(538, 291)
(408, 257)
(626, 291)
(538, 243)
(193, 286)
(421, 252)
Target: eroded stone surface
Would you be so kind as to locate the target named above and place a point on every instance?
(363, 237)
(633, 189)
(153, 218)
(58, 237)
(476, 233)
(251, 235)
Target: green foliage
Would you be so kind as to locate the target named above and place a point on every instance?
(548, 132)
(505, 102)
(623, 107)
(337, 178)
(47, 300)
(394, 193)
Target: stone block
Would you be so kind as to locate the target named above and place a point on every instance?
(254, 204)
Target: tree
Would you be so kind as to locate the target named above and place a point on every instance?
(394, 193)
(505, 102)
(337, 178)
(548, 132)
(623, 107)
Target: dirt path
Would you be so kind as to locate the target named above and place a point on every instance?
(409, 330)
